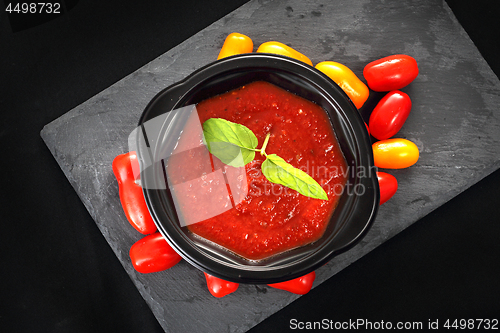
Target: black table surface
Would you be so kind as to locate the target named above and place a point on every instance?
(60, 275)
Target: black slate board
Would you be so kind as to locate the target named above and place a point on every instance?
(454, 121)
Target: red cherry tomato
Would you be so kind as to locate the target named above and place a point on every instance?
(125, 167)
(153, 254)
(391, 73)
(389, 115)
(218, 287)
(301, 285)
(388, 186)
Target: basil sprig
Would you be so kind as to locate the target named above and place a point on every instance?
(235, 145)
(277, 171)
(232, 143)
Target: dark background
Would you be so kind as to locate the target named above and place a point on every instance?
(57, 272)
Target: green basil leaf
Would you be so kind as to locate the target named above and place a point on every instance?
(232, 143)
(278, 171)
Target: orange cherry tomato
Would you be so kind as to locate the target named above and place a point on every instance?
(395, 153)
(235, 43)
(357, 91)
(388, 185)
(282, 49)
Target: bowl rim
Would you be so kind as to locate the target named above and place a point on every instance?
(177, 93)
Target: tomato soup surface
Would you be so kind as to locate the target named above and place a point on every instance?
(238, 208)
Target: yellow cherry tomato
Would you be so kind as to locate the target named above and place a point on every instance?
(357, 91)
(282, 49)
(395, 153)
(235, 43)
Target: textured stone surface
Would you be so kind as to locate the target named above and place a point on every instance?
(455, 121)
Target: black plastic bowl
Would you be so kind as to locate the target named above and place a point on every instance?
(357, 206)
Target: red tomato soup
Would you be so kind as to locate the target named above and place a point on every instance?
(238, 208)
